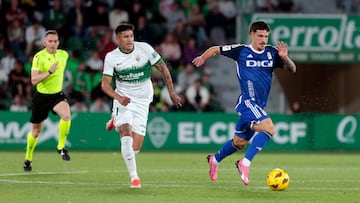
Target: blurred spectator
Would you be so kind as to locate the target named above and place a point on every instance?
(170, 49)
(34, 37)
(287, 6)
(265, 5)
(93, 81)
(74, 62)
(40, 8)
(18, 80)
(348, 6)
(165, 7)
(198, 96)
(187, 77)
(118, 15)
(98, 21)
(176, 14)
(214, 104)
(197, 23)
(106, 43)
(187, 5)
(80, 88)
(55, 18)
(18, 104)
(28, 63)
(181, 32)
(205, 6)
(7, 64)
(79, 104)
(99, 105)
(3, 105)
(156, 104)
(186, 105)
(76, 19)
(111, 3)
(29, 7)
(16, 38)
(228, 9)
(95, 63)
(15, 12)
(143, 31)
(67, 84)
(190, 50)
(295, 107)
(216, 22)
(137, 10)
(2, 42)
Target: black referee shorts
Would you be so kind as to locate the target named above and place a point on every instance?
(42, 104)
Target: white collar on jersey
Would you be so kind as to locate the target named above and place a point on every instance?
(258, 52)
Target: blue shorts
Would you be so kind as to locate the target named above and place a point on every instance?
(249, 113)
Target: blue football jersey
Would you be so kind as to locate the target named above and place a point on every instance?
(254, 70)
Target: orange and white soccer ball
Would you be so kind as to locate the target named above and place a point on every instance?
(278, 179)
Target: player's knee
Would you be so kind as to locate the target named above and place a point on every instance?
(270, 130)
(66, 117)
(125, 130)
(36, 132)
(239, 143)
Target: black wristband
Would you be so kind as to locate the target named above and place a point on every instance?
(50, 72)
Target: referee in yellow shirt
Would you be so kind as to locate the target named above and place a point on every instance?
(47, 75)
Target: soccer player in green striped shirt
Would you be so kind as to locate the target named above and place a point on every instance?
(130, 65)
(47, 75)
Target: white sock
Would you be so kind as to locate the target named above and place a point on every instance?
(246, 162)
(215, 161)
(129, 155)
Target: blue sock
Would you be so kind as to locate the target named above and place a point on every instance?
(257, 144)
(227, 149)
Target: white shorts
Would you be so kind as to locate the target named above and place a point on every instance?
(135, 114)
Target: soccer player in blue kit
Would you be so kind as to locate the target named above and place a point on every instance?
(256, 63)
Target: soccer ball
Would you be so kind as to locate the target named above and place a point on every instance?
(278, 179)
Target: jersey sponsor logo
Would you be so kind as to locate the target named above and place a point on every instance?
(263, 63)
(132, 76)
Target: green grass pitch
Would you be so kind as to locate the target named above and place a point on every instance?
(176, 177)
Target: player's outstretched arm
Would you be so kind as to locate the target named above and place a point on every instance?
(210, 52)
(161, 66)
(283, 53)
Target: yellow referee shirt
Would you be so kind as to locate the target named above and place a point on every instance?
(42, 62)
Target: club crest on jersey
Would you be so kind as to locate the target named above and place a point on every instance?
(269, 55)
(263, 63)
(137, 58)
(154, 54)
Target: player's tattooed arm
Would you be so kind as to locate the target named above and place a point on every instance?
(162, 67)
(289, 65)
(283, 53)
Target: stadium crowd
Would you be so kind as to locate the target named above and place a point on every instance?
(178, 30)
